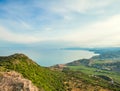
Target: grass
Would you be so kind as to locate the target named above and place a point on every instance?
(94, 71)
(90, 81)
(95, 61)
(49, 80)
(42, 77)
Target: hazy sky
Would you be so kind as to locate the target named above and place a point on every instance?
(83, 23)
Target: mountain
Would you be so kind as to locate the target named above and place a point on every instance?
(106, 65)
(107, 59)
(20, 73)
(43, 78)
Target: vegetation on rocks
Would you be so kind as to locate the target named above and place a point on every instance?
(48, 79)
(43, 78)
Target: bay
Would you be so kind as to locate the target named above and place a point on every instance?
(48, 57)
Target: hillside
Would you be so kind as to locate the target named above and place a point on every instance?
(43, 78)
(107, 60)
(106, 65)
(21, 70)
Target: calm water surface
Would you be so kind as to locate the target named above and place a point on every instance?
(48, 57)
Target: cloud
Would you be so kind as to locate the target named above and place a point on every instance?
(18, 38)
(80, 6)
(81, 22)
(70, 10)
(24, 24)
(101, 33)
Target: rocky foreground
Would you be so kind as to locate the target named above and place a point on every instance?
(13, 81)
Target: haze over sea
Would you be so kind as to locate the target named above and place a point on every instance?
(48, 57)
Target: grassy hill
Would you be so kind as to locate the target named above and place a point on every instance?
(54, 80)
(105, 65)
(42, 77)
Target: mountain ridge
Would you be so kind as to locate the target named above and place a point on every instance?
(40, 76)
(46, 79)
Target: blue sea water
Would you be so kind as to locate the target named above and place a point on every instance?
(48, 57)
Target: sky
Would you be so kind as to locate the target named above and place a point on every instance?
(59, 23)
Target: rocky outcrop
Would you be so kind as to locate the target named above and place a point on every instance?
(13, 81)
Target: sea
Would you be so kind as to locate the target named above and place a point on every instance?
(48, 57)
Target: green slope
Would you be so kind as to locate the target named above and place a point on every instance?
(42, 77)
(53, 80)
(105, 65)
